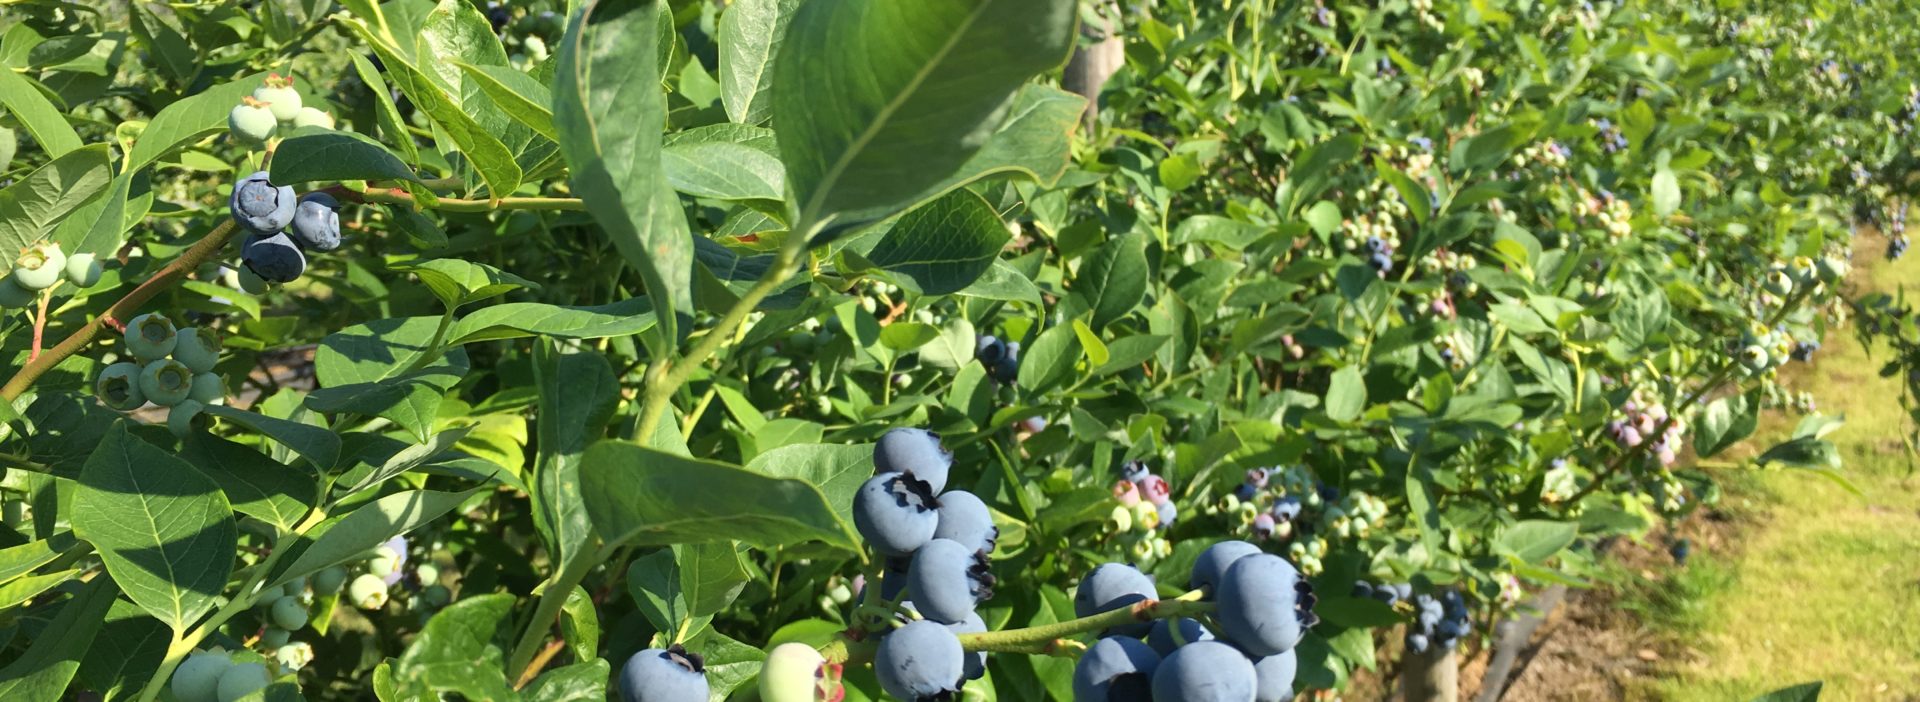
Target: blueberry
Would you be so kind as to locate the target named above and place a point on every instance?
(259, 206)
(151, 337)
(989, 350)
(1154, 488)
(1245, 492)
(793, 672)
(180, 417)
(12, 295)
(916, 452)
(1361, 590)
(1134, 471)
(1286, 509)
(251, 121)
(895, 513)
(947, 579)
(275, 258)
(329, 581)
(197, 348)
(1208, 671)
(84, 270)
(243, 679)
(1163, 639)
(250, 282)
(1116, 669)
(1264, 605)
(1275, 675)
(313, 117)
(1213, 563)
(368, 591)
(964, 518)
(165, 382)
(39, 267)
(1007, 370)
(1386, 594)
(197, 679)
(207, 389)
(1168, 513)
(294, 656)
(1113, 586)
(1416, 642)
(119, 387)
(976, 664)
(288, 613)
(274, 637)
(664, 675)
(920, 662)
(316, 223)
(279, 96)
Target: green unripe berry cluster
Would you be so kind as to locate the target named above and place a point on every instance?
(271, 105)
(40, 267)
(171, 367)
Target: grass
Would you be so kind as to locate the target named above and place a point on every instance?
(1825, 584)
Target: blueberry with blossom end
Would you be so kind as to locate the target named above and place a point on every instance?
(920, 661)
(261, 207)
(275, 258)
(1168, 513)
(316, 222)
(1126, 493)
(1286, 509)
(947, 579)
(367, 592)
(1265, 607)
(1134, 471)
(664, 675)
(197, 348)
(1115, 669)
(279, 97)
(1212, 564)
(1263, 525)
(1154, 489)
(989, 350)
(251, 121)
(1114, 586)
(119, 387)
(39, 266)
(207, 390)
(182, 418)
(896, 513)
(165, 382)
(916, 452)
(965, 518)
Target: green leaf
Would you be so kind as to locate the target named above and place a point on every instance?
(943, 246)
(580, 624)
(319, 446)
(321, 154)
(164, 530)
(457, 282)
(578, 393)
(953, 348)
(1179, 172)
(1355, 646)
(1131, 351)
(385, 112)
(482, 148)
(42, 673)
(126, 652)
(749, 35)
(25, 558)
(461, 649)
(1726, 421)
(188, 120)
(653, 581)
(167, 47)
(907, 336)
(610, 111)
(411, 457)
(1004, 282)
(519, 95)
(31, 206)
(1346, 395)
(348, 537)
(35, 112)
(1215, 229)
(837, 470)
(1804, 692)
(100, 226)
(1666, 192)
(255, 484)
(1113, 279)
(580, 682)
(1535, 540)
(711, 162)
(14, 593)
(1050, 360)
(879, 101)
(641, 496)
(518, 319)
(1324, 217)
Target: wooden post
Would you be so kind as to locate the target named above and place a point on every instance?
(1433, 676)
(1093, 63)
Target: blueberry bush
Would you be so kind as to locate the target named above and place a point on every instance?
(799, 350)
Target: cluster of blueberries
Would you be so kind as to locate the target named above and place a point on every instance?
(218, 675)
(1803, 350)
(171, 367)
(1611, 138)
(43, 266)
(1262, 608)
(274, 103)
(1439, 621)
(1379, 255)
(1138, 486)
(280, 228)
(1897, 247)
(1002, 358)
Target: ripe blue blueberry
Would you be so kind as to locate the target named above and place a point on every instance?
(964, 518)
(197, 348)
(947, 579)
(119, 387)
(260, 207)
(1213, 563)
(165, 382)
(1275, 674)
(1208, 671)
(989, 350)
(920, 662)
(1169, 634)
(316, 223)
(916, 452)
(1115, 669)
(1264, 605)
(1417, 642)
(895, 513)
(976, 663)
(275, 258)
(1113, 586)
(664, 675)
(151, 337)
(197, 679)
(1007, 369)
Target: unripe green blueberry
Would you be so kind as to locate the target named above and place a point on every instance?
(252, 122)
(294, 656)
(383, 562)
(243, 679)
(310, 117)
(39, 267)
(165, 382)
(12, 295)
(197, 679)
(197, 348)
(180, 417)
(288, 613)
(250, 282)
(792, 673)
(208, 390)
(151, 337)
(280, 97)
(367, 592)
(295, 587)
(328, 581)
(83, 270)
(436, 595)
(274, 637)
(119, 387)
(427, 573)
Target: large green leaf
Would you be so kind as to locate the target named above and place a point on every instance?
(837, 469)
(31, 206)
(126, 653)
(578, 393)
(457, 282)
(462, 649)
(255, 484)
(164, 530)
(750, 35)
(481, 148)
(610, 111)
(319, 446)
(945, 245)
(1535, 540)
(518, 319)
(383, 368)
(641, 496)
(519, 95)
(35, 112)
(879, 101)
(23, 559)
(42, 673)
(715, 162)
(580, 682)
(347, 537)
(320, 154)
(1113, 279)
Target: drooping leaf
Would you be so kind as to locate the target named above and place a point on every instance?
(642, 496)
(943, 246)
(319, 154)
(346, 537)
(577, 398)
(31, 206)
(255, 484)
(42, 673)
